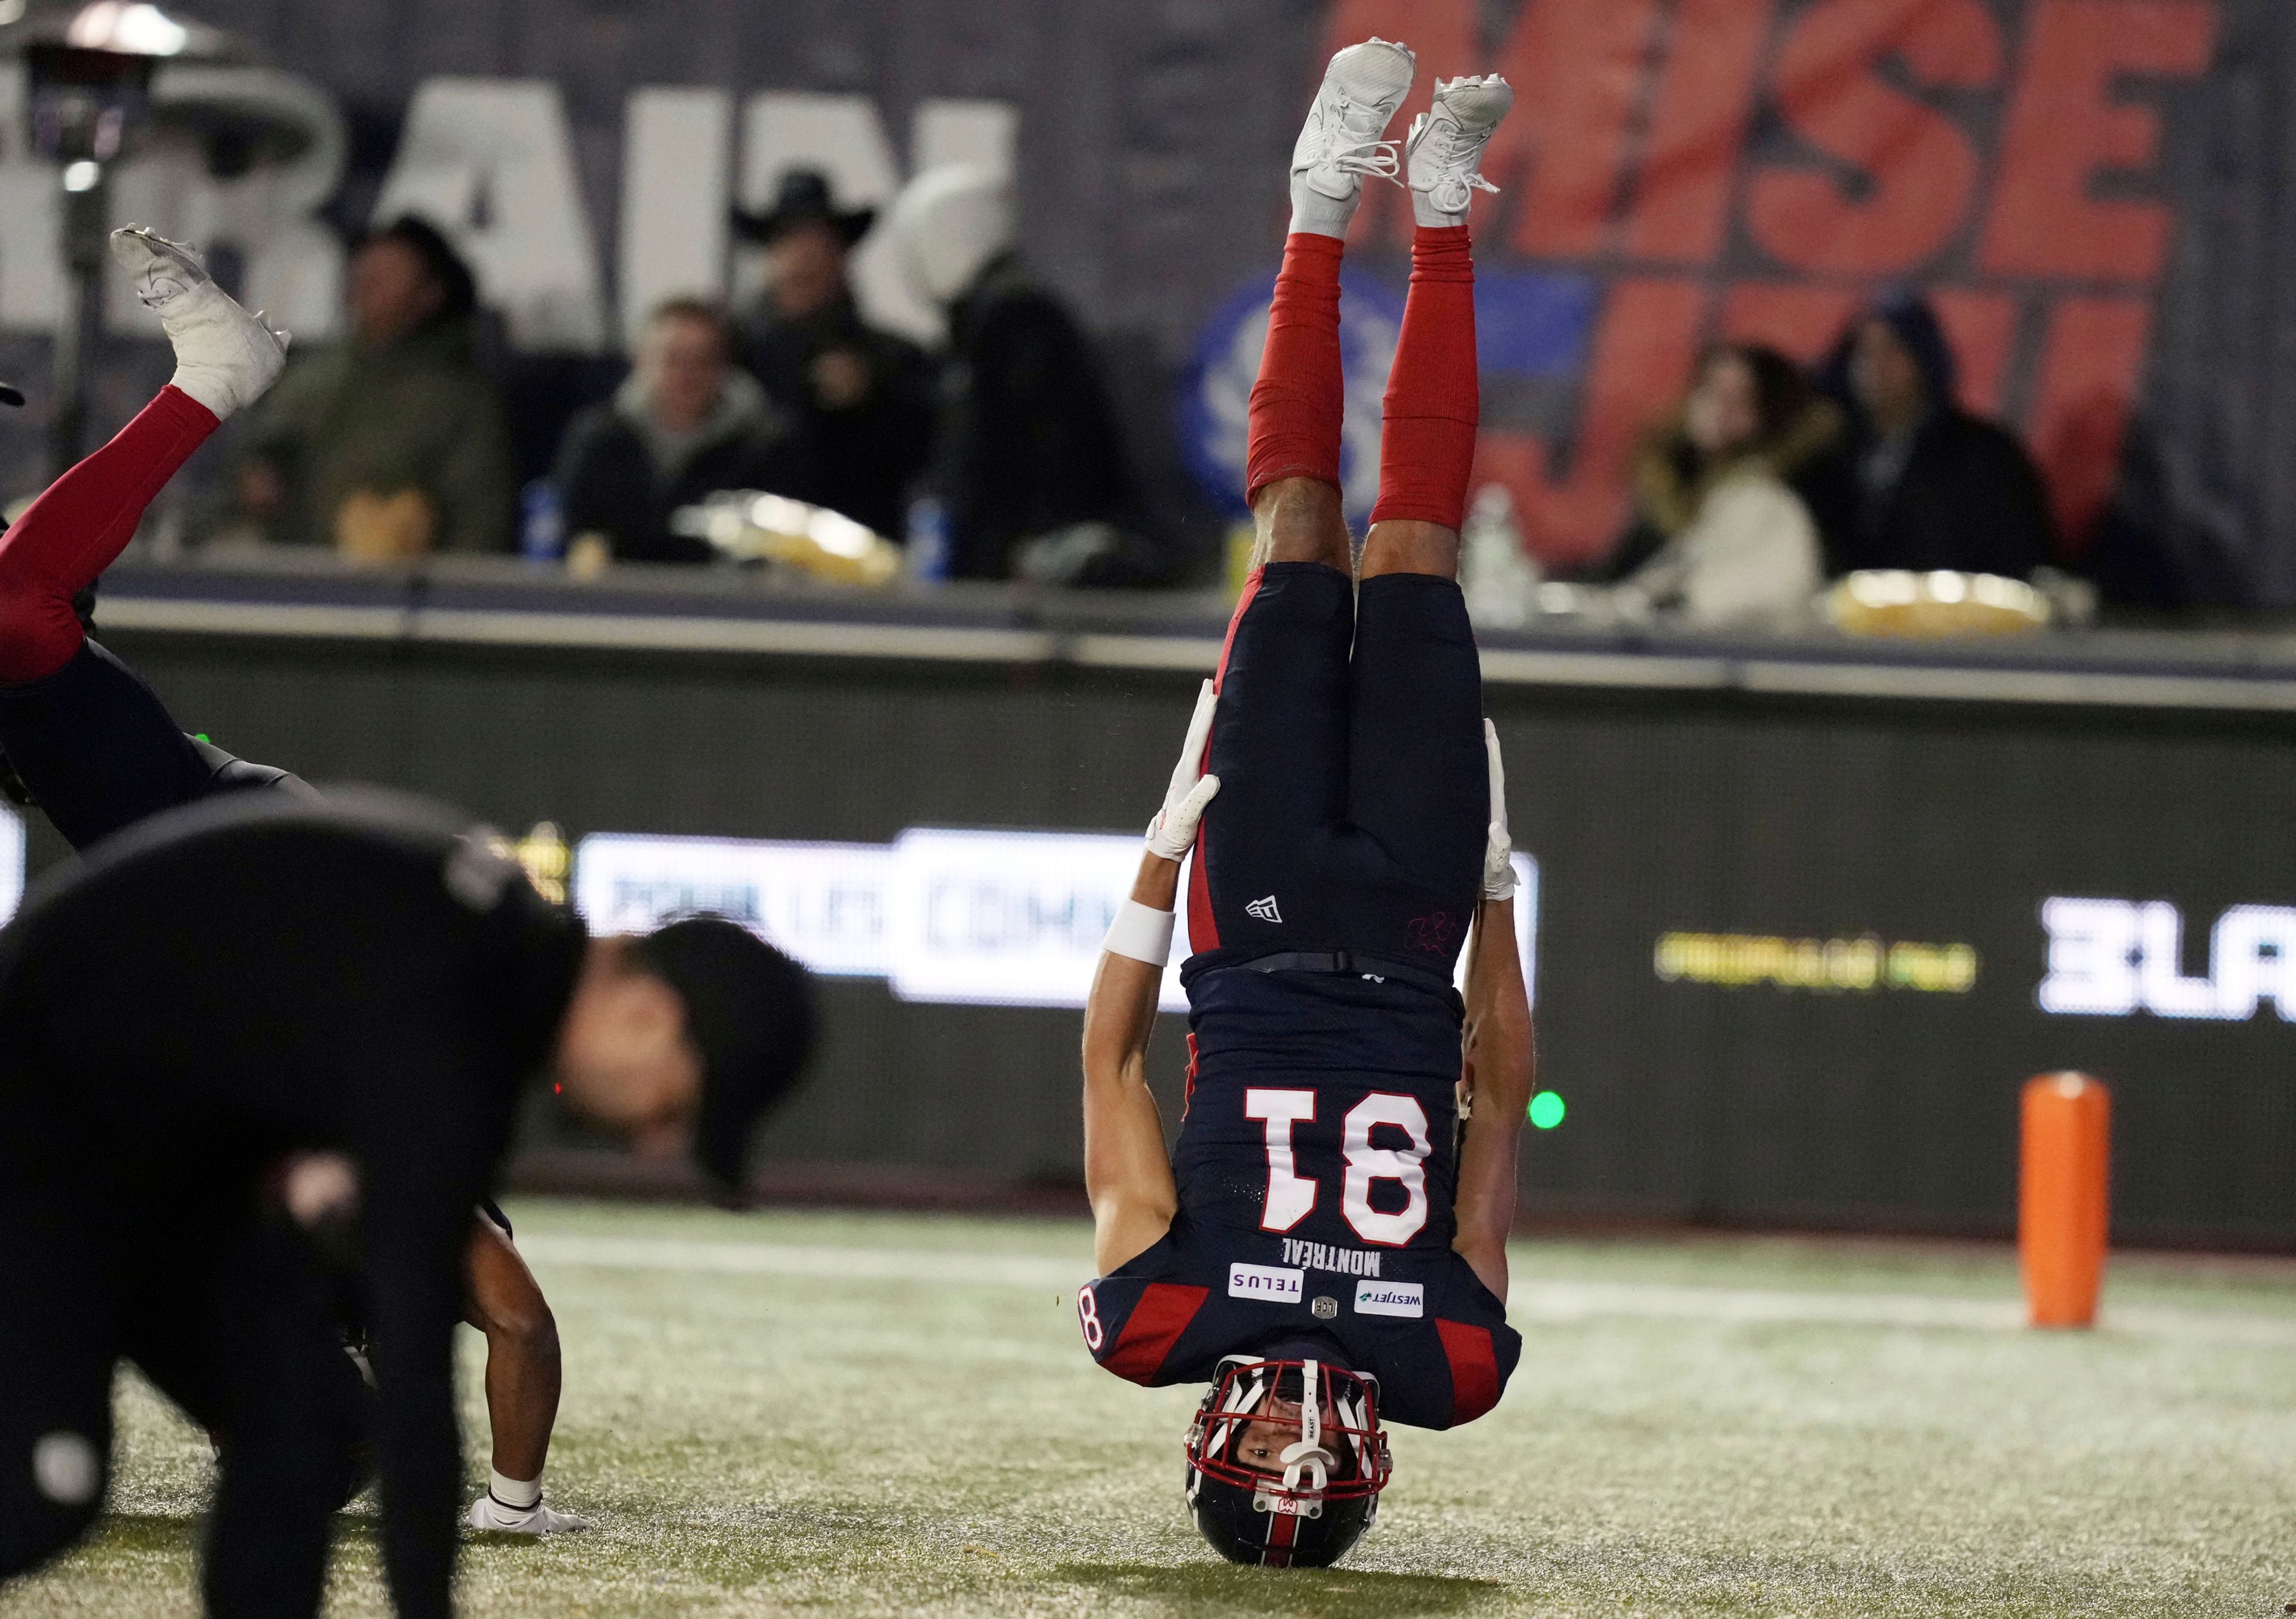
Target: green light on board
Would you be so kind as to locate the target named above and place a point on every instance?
(1547, 1111)
(201, 736)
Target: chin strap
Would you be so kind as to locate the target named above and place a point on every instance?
(1308, 1456)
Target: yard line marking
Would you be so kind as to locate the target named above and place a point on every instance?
(1553, 1303)
(826, 1260)
(1572, 1301)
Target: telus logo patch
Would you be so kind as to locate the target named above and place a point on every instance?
(1390, 1298)
(1270, 1284)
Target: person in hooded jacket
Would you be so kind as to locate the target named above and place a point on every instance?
(1918, 482)
(685, 425)
(1030, 450)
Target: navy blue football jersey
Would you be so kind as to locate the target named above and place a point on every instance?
(1317, 1167)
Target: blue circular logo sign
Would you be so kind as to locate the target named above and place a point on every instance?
(1215, 392)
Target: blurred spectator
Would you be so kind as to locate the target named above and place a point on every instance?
(1919, 482)
(1727, 542)
(1029, 467)
(685, 425)
(390, 444)
(864, 398)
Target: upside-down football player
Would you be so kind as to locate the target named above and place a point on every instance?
(1326, 1245)
(92, 746)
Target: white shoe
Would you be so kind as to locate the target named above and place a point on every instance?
(1340, 142)
(491, 1516)
(225, 358)
(1444, 152)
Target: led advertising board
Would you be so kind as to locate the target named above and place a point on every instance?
(982, 918)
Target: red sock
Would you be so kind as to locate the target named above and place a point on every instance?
(74, 531)
(1297, 402)
(1427, 438)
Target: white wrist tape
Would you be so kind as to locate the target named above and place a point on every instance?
(1140, 933)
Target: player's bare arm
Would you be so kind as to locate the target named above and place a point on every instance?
(1499, 1059)
(1128, 1174)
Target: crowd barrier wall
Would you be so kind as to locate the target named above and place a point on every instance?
(1807, 919)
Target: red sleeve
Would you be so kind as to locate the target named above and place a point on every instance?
(1137, 1348)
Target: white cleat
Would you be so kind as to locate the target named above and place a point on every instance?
(490, 1515)
(225, 358)
(1340, 142)
(1443, 155)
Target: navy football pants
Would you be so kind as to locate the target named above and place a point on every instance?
(1353, 797)
(97, 749)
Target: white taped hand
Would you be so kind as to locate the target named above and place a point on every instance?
(1173, 833)
(1499, 853)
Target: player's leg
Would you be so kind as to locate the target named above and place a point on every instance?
(293, 1424)
(56, 1339)
(91, 743)
(1417, 779)
(1293, 482)
(504, 1301)
(1279, 735)
(1433, 406)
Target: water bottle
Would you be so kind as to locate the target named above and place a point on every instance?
(542, 522)
(1496, 575)
(928, 541)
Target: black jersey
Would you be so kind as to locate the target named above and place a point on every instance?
(1317, 1167)
(257, 974)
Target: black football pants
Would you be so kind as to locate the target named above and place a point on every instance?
(228, 1314)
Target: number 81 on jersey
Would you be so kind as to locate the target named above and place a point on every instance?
(1290, 1196)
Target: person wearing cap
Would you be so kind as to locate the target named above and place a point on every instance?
(865, 398)
(391, 443)
(370, 980)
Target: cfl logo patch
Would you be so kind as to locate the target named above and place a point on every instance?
(1265, 909)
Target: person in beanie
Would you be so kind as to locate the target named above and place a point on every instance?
(864, 399)
(186, 1004)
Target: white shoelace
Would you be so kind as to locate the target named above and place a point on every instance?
(1458, 147)
(1355, 154)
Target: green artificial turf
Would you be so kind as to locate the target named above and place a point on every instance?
(777, 1413)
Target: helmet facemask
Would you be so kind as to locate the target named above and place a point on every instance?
(1331, 1460)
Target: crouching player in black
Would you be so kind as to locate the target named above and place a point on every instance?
(371, 978)
(1326, 1246)
(189, 1012)
(89, 743)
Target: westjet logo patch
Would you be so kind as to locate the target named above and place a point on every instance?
(1390, 1298)
(1270, 1284)
(1265, 909)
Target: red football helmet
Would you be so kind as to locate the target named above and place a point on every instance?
(1325, 1461)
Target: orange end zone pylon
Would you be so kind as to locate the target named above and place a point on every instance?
(2063, 1197)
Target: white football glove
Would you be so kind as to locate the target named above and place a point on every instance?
(1499, 853)
(1173, 833)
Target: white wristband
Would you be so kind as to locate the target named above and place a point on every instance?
(1143, 934)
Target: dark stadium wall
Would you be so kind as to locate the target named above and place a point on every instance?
(1795, 956)
(2097, 192)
